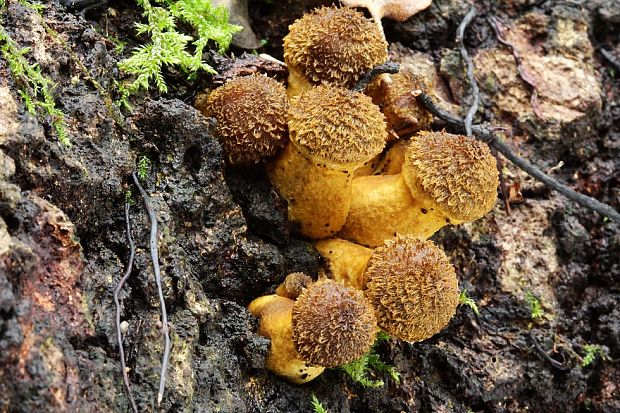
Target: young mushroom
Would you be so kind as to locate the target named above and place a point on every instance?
(333, 131)
(445, 179)
(331, 45)
(293, 285)
(409, 282)
(393, 94)
(328, 325)
(332, 324)
(275, 314)
(251, 117)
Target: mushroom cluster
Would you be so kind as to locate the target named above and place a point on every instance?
(327, 325)
(369, 209)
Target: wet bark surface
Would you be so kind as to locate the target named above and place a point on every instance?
(224, 238)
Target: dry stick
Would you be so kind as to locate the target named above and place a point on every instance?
(162, 303)
(546, 356)
(470, 69)
(484, 133)
(388, 67)
(460, 33)
(117, 290)
(610, 57)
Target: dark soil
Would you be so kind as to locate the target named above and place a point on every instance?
(224, 239)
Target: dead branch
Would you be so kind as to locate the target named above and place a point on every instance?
(388, 67)
(611, 59)
(470, 69)
(162, 303)
(556, 364)
(117, 290)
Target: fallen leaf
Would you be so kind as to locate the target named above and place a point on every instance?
(399, 10)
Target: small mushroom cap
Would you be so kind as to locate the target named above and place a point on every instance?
(412, 286)
(275, 315)
(336, 126)
(293, 285)
(334, 45)
(251, 117)
(332, 324)
(457, 172)
(393, 94)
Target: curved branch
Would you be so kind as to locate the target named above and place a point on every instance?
(162, 303)
(484, 133)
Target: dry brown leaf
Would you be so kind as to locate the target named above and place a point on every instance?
(399, 10)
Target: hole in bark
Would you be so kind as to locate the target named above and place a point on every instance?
(193, 158)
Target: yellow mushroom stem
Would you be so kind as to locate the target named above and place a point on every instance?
(346, 260)
(275, 314)
(444, 179)
(392, 162)
(318, 195)
(372, 220)
(297, 83)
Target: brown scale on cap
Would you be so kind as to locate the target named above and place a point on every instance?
(459, 173)
(332, 45)
(336, 125)
(332, 324)
(293, 285)
(251, 117)
(413, 288)
(393, 94)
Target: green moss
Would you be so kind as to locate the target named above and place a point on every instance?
(34, 88)
(465, 299)
(169, 47)
(317, 407)
(592, 351)
(533, 302)
(370, 363)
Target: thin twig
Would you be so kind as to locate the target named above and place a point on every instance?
(470, 69)
(485, 134)
(117, 290)
(556, 364)
(388, 67)
(503, 188)
(162, 303)
(610, 57)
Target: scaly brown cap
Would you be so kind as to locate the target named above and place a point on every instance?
(412, 286)
(251, 117)
(457, 172)
(293, 285)
(393, 94)
(336, 125)
(334, 45)
(332, 324)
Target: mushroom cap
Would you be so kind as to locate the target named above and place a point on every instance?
(393, 94)
(457, 172)
(334, 45)
(293, 285)
(332, 324)
(336, 126)
(251, 117)
(412, 286)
